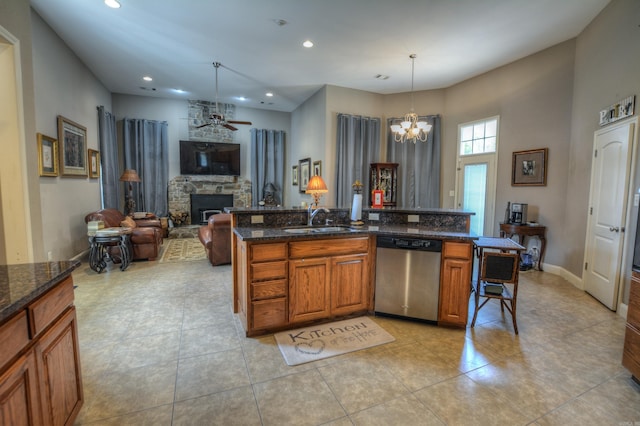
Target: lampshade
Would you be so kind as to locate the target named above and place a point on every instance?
(316, 187)
(130, 175)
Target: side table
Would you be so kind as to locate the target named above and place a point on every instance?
(508, 230)
(103, 242)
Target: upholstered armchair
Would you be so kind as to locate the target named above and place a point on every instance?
(216, 238)
(146, 235)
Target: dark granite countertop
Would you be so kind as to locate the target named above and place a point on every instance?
(295, 209)
(256, 234)
(20, 284)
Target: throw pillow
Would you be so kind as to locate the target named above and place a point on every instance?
(128, 222)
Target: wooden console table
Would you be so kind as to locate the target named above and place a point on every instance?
(508, 230)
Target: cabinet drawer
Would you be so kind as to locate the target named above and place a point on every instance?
(14, 336)
(268, 289)
(43, 311)
(459, 250)
(328, 247)
(270, 251)
(268, 271)
(269, 313)
(631, 352)
(633, 312)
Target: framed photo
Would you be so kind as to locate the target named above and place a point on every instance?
(94, 163)
(47, 156)
(317, 168)
(304, 167)
(294, 175)
(73, 148)
(529, 168)
(377, 198)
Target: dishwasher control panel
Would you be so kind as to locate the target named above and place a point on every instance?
(410, 243)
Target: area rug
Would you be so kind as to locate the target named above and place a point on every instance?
(182, 250)
(326, 340)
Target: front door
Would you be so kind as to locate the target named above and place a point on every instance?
(608, 198)
(476, 190)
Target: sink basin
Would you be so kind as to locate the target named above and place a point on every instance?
(317, 230)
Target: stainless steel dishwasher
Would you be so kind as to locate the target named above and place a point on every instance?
(408, 277)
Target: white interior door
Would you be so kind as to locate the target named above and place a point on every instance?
(476, 190)
(609, 186)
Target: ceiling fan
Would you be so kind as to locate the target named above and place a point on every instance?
(217, 118)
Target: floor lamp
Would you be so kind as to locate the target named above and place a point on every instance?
(130, 176)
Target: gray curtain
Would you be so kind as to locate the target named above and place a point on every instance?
(146, 151)
(357, 146)
(110, 170)
(267, 155)
(419, 166)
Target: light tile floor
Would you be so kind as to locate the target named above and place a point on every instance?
(161, 346)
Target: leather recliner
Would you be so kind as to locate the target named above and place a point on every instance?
(216, 238)
(146, 234)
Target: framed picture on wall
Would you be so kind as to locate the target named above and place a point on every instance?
(304, 167)
(94, 163)
(317, 168)
(529, 168)
(294, 175)
(72, 138)
(47, 156)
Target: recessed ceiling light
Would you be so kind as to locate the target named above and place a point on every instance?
(241, 98)
(179, 91)
(308, 44)
(382, 77)
(147, 78)
(269, 94)
(114, 4)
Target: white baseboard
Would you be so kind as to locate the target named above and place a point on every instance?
(557, 270)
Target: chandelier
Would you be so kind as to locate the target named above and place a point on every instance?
(410, 128)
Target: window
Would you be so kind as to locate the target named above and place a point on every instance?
(478, 137)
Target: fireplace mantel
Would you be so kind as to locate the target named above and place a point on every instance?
(181, 188)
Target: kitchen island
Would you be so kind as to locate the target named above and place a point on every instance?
(285, 278)
(40, 380)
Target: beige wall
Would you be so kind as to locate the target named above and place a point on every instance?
(15, 19)
(533, 99)
(606, 70)
(64, 86)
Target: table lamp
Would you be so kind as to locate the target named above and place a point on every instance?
(130, 175)
(316, 187)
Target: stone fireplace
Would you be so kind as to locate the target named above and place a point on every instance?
(182, 187)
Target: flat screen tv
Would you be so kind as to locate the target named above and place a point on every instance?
(209, 158)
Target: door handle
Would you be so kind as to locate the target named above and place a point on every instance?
(614, 229)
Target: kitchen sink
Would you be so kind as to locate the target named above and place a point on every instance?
(317, 229)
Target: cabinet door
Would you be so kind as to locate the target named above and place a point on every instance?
(349, 284)
(455, 286)
(309, 289)
(58, 361)
(19, 402)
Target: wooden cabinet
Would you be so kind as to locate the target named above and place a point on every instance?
(309, 289)
(267, 277)
(19, 401)
(455, 283)
(40, 379)
(384, 176)
(292, 282)
(631, 352)
(349, 292)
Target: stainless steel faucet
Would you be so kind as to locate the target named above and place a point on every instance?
(311, 215)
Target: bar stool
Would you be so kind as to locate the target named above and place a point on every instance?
(498, 272)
